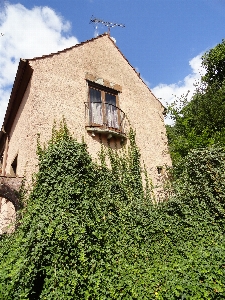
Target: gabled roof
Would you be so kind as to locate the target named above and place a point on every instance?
(69, 48)
(22, 79)
(89, 41)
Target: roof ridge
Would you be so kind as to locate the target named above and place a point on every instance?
(69, 48)
(91, 40)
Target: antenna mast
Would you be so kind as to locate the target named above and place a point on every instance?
(107, 24)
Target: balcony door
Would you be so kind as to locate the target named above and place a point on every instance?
(103, 108)
(96, 109)
(111, 111)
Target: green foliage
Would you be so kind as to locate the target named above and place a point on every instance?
(201, 123)
(93, 232)
(213, 62)
(78, 235)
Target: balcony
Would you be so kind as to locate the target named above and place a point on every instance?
(105, 118)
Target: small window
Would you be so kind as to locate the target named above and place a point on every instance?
(104, 110)
(1, 163)
(14, 166)
(160, 170)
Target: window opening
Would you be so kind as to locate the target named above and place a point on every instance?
(111, 111)
(14, 166)
(96, 112)
(104, 107)
(160, 170)
(1, 163)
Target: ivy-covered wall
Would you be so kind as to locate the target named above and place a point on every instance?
(90, 232)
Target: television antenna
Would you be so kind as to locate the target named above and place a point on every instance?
(107, 24)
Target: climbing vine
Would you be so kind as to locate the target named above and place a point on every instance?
(90, 231)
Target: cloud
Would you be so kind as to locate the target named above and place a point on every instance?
(27, 34)
(168, 92)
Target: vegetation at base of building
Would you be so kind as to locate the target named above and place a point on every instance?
(200, 122)
(93, 232)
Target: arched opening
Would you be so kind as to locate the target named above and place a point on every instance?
(7, 216)
(9, 204)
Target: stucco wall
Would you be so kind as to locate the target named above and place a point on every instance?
(7, 216)
(58, 88)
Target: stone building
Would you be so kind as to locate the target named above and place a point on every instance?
(94, 87)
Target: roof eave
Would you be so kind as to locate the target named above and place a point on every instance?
(22, 79)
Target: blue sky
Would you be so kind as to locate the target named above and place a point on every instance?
(162, 39)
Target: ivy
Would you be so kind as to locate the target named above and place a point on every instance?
(94, 231)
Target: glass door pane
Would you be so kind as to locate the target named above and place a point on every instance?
(96, 116)
(111, 111)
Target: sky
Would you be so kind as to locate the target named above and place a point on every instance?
(162, 39)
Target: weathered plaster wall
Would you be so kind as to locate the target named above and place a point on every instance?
(9, 202)
(58, 88)
(7, 216)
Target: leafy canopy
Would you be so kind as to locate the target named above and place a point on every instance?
(200, 122)
(213, 62)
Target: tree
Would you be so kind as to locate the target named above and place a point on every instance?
(214, 63)
(200, 122)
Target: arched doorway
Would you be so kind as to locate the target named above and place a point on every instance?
(7, 216)
(9, 205)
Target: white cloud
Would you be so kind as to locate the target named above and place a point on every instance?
(167, 93)
(4, 96)
(27, 34)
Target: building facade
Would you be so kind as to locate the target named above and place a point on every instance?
(97, 91)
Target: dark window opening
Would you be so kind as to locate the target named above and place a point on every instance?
(160, 170)
(1, 163)
(14, 166)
